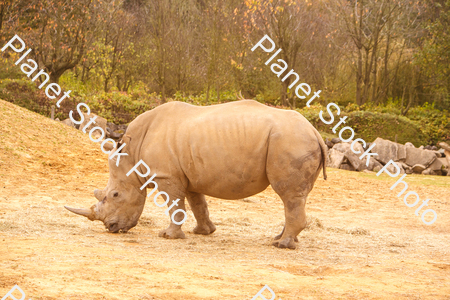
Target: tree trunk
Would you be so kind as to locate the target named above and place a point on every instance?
(54, 76)
(218, 90)
(375, 63)
(359, 79)
(163, 92)
(283, 94)
(105, 87)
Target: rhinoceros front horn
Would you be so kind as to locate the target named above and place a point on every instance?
(88, 213)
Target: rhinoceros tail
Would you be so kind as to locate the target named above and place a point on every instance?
(323, 150)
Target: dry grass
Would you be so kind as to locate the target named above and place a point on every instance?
(361, 242)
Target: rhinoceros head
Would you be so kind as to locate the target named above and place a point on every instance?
(120, 204)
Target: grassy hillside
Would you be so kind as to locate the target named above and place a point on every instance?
(32, 142)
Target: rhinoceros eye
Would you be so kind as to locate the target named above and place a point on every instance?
(116, 194)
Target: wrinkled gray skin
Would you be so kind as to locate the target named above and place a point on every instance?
(228, 151)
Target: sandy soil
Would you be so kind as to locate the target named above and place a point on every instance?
(362, 242)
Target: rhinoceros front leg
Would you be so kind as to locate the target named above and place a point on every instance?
(174, 231)
(199, 207)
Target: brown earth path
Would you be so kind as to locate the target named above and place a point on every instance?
(362, 241)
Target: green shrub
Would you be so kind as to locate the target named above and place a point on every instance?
(435, 124)
(368, 125)
(24, 93)
(121, 107)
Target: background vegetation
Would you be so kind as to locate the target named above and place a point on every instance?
(385, 62)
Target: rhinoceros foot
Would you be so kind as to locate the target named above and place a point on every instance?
(172, 233)
(285, 243)
(204, 229)
(281, 234)
(279, 237)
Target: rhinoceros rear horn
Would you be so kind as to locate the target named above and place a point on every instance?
(88, 213)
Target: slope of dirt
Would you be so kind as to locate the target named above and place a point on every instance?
(362, 242)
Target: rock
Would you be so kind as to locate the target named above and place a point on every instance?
(401, 153)
(377, 168)
(329, 144)
(444, 146)
(408, 169)
(434, 148)
(400, 166)
(392, 169)
(388, 150)
(113, 135)
(108, 146)
(367, 146)
(113, 127)
(115, 131)
(335, 158)
(447, 156)
(342, 147)
(335, 140)
(350, 157)
(373, 163)
(418, 169)
(68, 122)
(437, 153)
(353, 158)
(444, 162)
(99, 121)
(416, 156)
(421, 147)
(347, 167)
(427, 171)
(408, 144)
(124, 128)
(427, 147)
(438, 165)
(57, 119)
(405, 166)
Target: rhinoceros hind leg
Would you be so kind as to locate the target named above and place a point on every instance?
(294, 209)
(294, 161)
(199, 207)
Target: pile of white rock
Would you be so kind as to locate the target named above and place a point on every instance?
(409, 158)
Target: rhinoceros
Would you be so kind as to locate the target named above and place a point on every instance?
(228, 151)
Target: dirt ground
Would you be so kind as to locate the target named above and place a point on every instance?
(362, 242)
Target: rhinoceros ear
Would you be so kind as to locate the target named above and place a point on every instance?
(98, 194)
